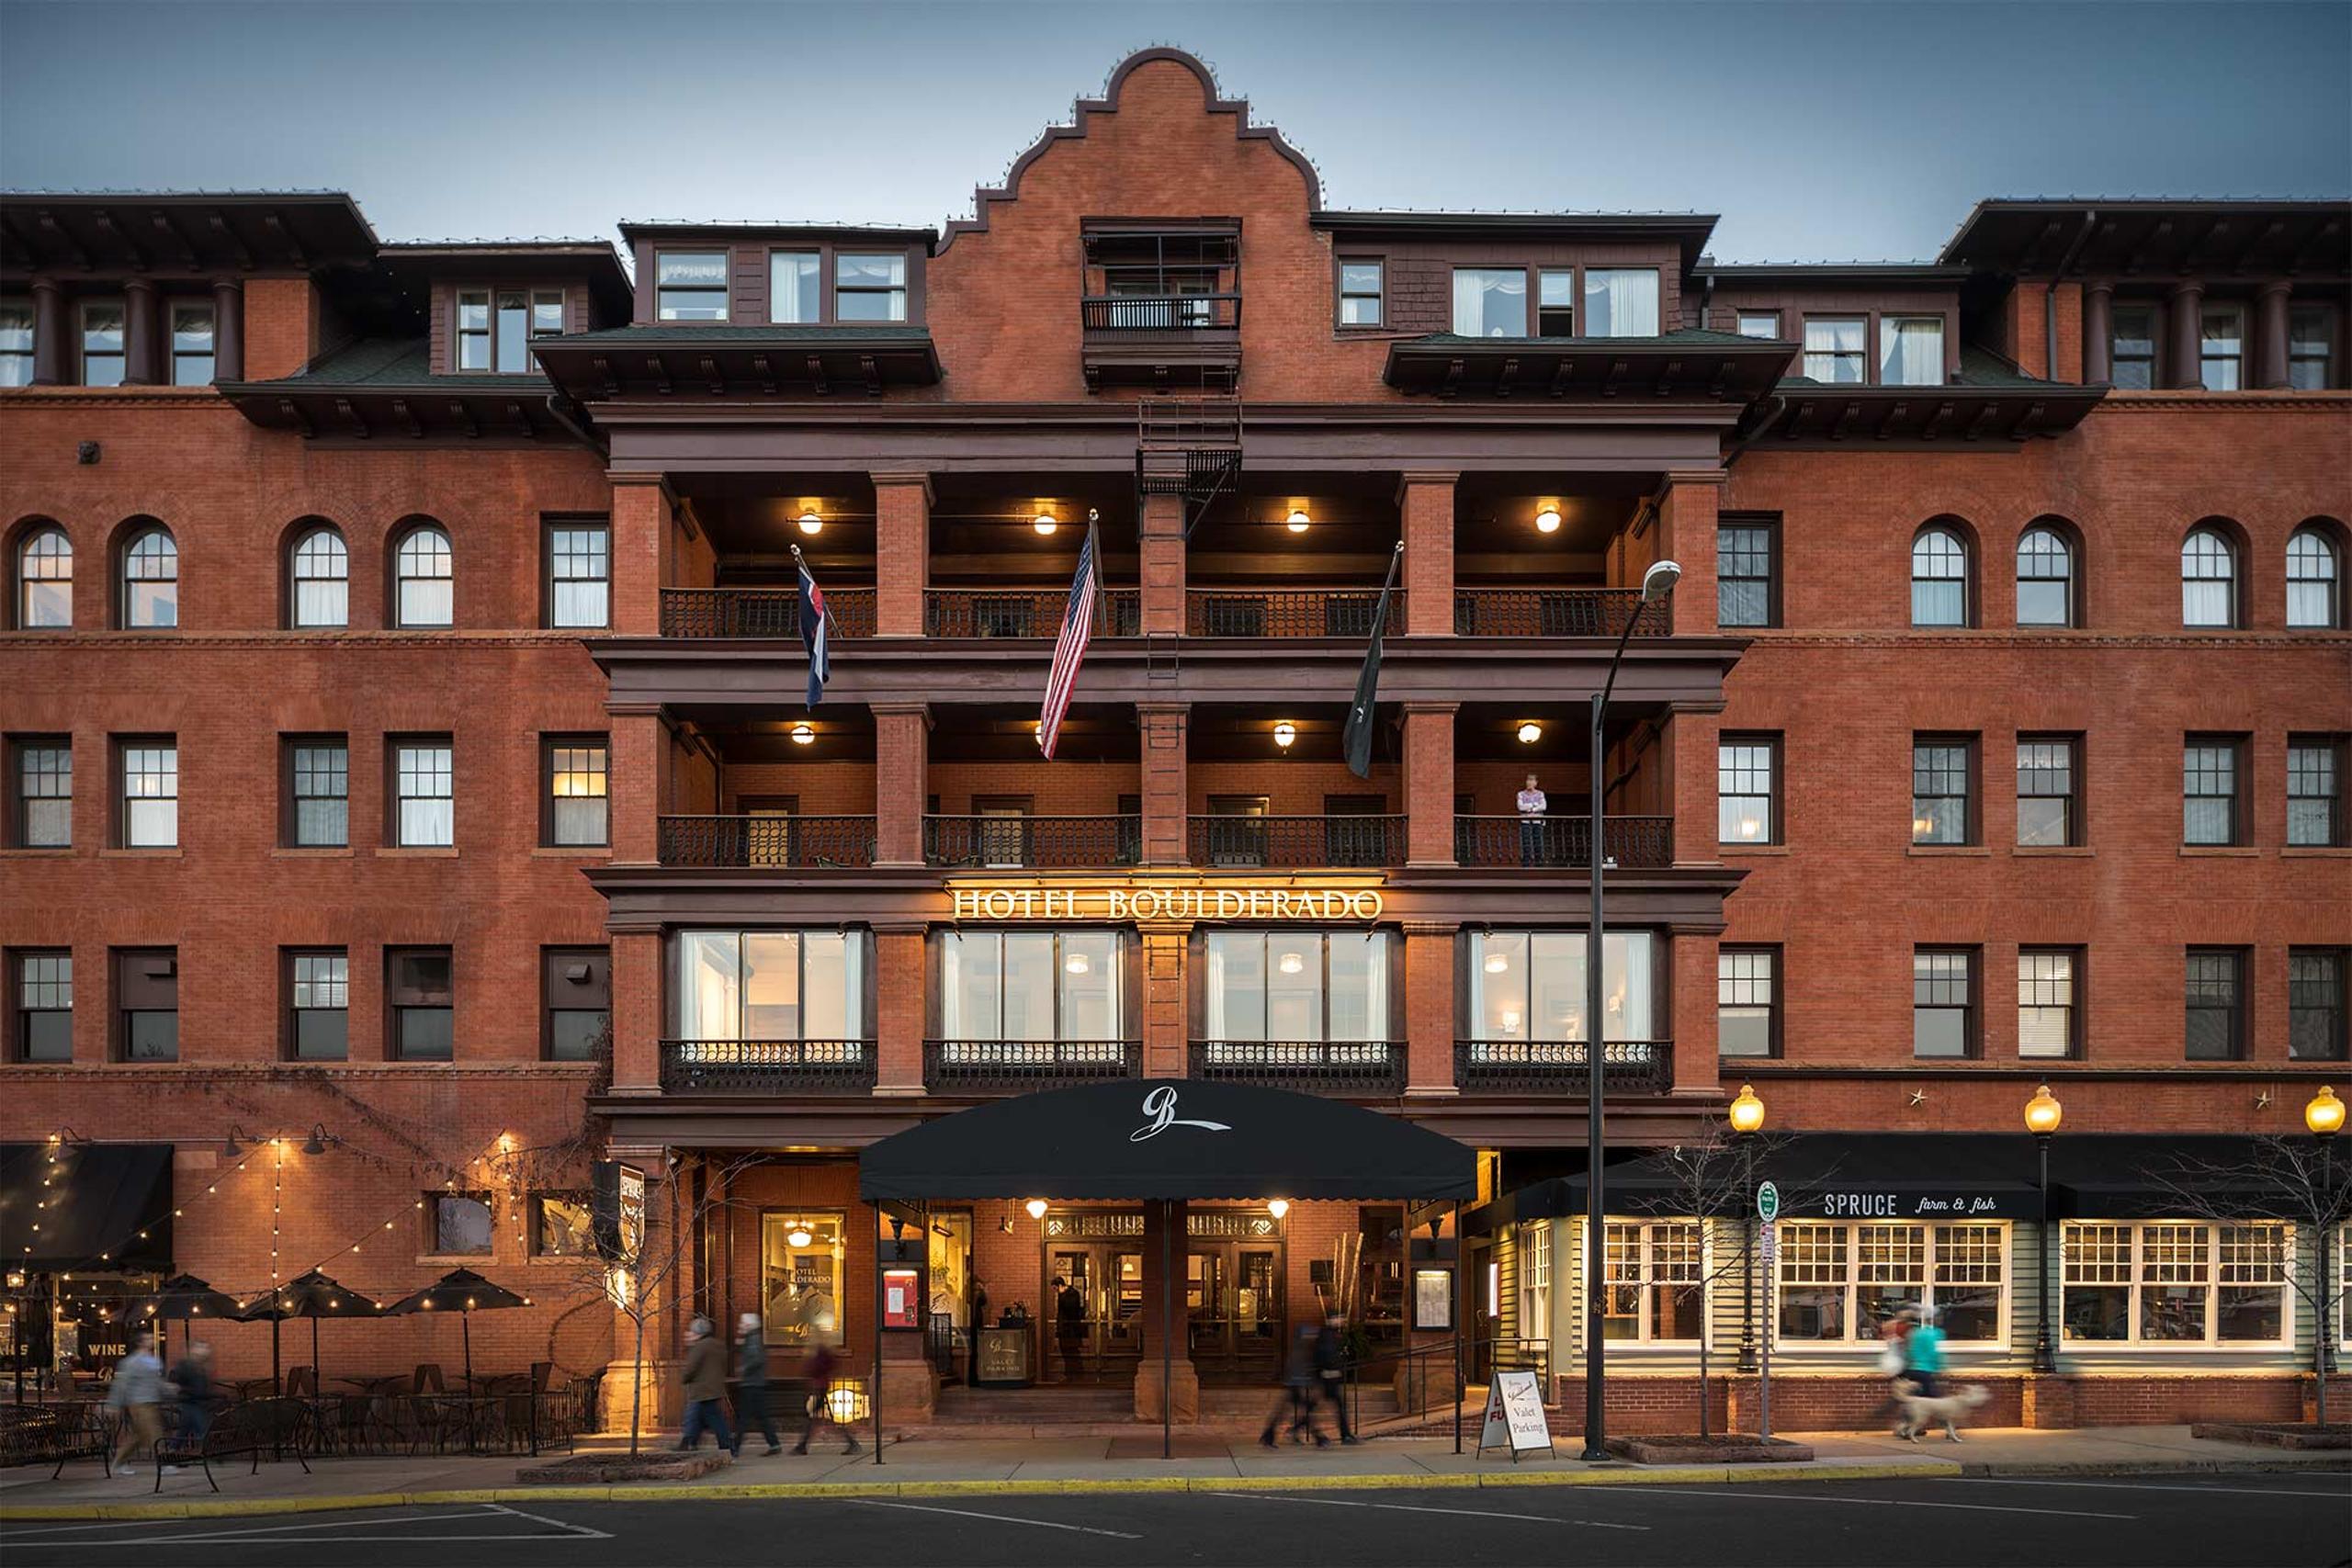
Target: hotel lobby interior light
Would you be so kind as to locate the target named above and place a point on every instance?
(799, 1235)
(1496, 964)
(810, 523)
(2324, 1114)
(1298, 521)
(803, 735)
(1037, 1207)
(1284, 733)
(1547, 519)
(1076, 963)
(1530, 733)
(1045, 521)
(1291, 963)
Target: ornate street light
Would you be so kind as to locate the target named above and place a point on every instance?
(2324, 1114)
(2042, 1115)
(1745, 1115)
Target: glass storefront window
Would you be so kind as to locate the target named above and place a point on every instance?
(1656, 1290)
(1032, 985)
(2176, 1283)
(1296, 986)
(1530, 985)
(770, 985)
(1839, 1282)
(802, 1256)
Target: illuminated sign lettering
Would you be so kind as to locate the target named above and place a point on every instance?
(1187, 902)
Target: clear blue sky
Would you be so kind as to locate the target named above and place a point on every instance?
(1854, 130)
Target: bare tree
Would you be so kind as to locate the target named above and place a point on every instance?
(2293, 1180)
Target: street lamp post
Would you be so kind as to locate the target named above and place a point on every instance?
(2042, 1113)
(2324, 1116)
(1746, 1114)
(1657, 583)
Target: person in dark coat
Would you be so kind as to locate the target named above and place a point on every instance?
(818, 1373)
(1299, 1392)
(751, 1384)
(192, 1375)
(1070, 1327)
(705, 1380)
(1331, 1371)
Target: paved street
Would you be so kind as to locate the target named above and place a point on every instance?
(2283, 1520)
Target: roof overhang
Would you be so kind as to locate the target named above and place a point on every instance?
(2157, 238)
(1715, 366)
(634, 230)
(195, 232)
(595, 262)
(507, 408)
(720, 363)
(1687, 231)
(1810, 415)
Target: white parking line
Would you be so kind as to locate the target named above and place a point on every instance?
(999, 1519)
(1762, 1493)
(2342, 1494)
(292, 1535)
(1413, 1508)
(328, 1521)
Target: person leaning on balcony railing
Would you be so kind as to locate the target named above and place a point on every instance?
(1532, 807)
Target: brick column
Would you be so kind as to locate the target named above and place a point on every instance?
(2187, 366)
(1166, 795)
(1426, 503)
(901, 781)
(1685, 530)
(1429, 784)
(640, 784)
(1160, 546)
(142, 361)
(281, 326)
(1428, 1008)
(899, 1012)
(638, 1010)
(2099, 330)
(1164, 1226)
(1687, 752)
(1690, 1023)
(228, 330)
(1167, 1025)
(2270, 356)
(901, 552)
(641, 543)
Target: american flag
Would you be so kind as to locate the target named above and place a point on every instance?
(813, 632)
(1069, 649)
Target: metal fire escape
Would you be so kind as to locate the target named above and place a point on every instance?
(1189, 448)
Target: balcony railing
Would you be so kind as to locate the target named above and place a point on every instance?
(1288, 612)
(1557, 612)
(1009, 842)
(1024, 612)
(1159, 312)
(813, 843)
(1297, 840)
(1310, 1066)
(1562, 842)
(760, 611)
(1557, 1067)
(1017, 1067)
(767, 1067)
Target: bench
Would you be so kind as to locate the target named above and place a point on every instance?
(255, 1427)
(36, 1434)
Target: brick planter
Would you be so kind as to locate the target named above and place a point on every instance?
(1733, 1449)
(2277, 1434)
(605, 1470)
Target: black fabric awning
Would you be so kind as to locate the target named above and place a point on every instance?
(98, 1199)
(1167, 1138)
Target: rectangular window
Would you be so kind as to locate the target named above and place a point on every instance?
(42, 1003)
(2211, 779)
(2221, 349)
(1747, 583)
(801, 1271)
(318, 775)
(1943, 1002)
(1490, 301)
(576, 999)
(1555, 302)
(2216, 1004)
(1748, 789)
(191, 343)
(2311, 348)
(102, 343)
(2174, 1282)
(148, 803)
(1530, 985)
(423, 803)
(2048, 810)
(796, 287)
(755, 985)
(474, 329)
(580, 574)
(547, 317)
(1834, 350)
(1655, 1283)
(1911, 351)
(578, 810)
(15, 342)
(42, 774)
(461, 1223)
(318, 1003)
(690, 286)
(1943, 792)
(1839, 1283)
(1361, 285)
(1619, 301)
(513, 331)
(563, 1226)
(2316, 1003)
(2049, 1019)
(1747, 1001)
(1032, 985)
(870, 288)
(2131, 348)
(2315, 814)
(147, 1004)
(417, 991)
(1765, 324)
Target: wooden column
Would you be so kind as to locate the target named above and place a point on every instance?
(1160, 546)
(901, 781)
(1162, 727)
(1426, 502)
(1429, 784)
(2270, 356)
(52, 353)
(2098, 331)
(1430, 1009)
(228, 330)
(2187, 325)
(901, 552)
(141, 354)
(901, 1012)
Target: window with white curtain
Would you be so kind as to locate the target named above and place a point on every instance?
(2221, 349)
(425, 799)
(1530, 985)
(1490, 301)
(2045, 579)
(1296, 986)
(15, 342)
(426, 579)
(150, 580)
(2209, 580)
(2174, 1282)
(1911, 351)
(2314, 577)
(1938, 578)
(45, 579)
(796, 287)
(1619, 301)
(1032, 985)
(322, 579)
(776, 985)
(1833, 350)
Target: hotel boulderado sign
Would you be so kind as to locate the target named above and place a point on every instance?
(1316, 904)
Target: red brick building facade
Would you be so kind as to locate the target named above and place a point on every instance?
(407, 741)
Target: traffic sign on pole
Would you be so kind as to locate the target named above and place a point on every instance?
(1768, 1201)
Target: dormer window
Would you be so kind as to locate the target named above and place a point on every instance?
(1555, 302)
(870, 288)
(1490, 301)
(795, 288)
(495, 327)
(1911, 351)
(1360, 293)
(690, 286)
(1619, 301)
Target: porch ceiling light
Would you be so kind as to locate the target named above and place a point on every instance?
(2324, 1114)
(1284, 733)
(1037, 1207)
(1278, 1207)
(1547, 519)
(803, 735)
(810, 523)
(1298, 521)
(1045, 521)
(2043, 1112)
(1530, 733)
(1746, 1112)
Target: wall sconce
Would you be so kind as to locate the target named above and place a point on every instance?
(810, 523)
(319, 1139)
(1298, 520)
(1284, 733)
(229, 1148)
(803, 735)
(1045, 521)
(1547, 518)
(1530, 733)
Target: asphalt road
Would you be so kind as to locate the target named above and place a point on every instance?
(2277, 1520)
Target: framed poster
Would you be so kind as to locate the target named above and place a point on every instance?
(901, 1299)
(1433, 1298)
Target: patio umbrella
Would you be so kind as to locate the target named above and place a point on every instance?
(314, 1296)
(186, 1297)
(463, 1292)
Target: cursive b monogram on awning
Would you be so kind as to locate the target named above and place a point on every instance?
(1160, 1106)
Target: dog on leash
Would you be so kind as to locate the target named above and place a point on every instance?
(1921, 1414)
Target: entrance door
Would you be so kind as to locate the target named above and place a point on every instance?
(1233, 1296)
(1102, 1343)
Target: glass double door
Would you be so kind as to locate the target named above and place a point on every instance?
(1094, 1317)
(1233, 1299)
(1233, 1308)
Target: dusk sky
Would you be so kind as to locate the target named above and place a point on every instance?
(1819, 132)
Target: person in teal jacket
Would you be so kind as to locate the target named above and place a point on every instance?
(1923, 1354)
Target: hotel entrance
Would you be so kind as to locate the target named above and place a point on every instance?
(1233, 1294)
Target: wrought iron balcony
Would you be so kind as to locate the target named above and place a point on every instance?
(1562, 843)
(767, 1067)
(1024, 612)
(1249, 841)
(1558, 1066)
(810, 844)
(1010, 842)
(1557, 612)
(1310, 1066)
(1288, 612)
(1194, 312)
(760, 611)
(1017, 1067)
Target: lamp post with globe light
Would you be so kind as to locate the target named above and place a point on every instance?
(2042, 1113)
(2324, 1116)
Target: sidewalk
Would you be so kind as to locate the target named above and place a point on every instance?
(1121, 1464)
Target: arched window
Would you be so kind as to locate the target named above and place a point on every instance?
(44, 579)
(2045, 577)
(151, 579)
(2314, 579)
(1939, 578)
(2209, 578)
(322, 579)
(423, 586)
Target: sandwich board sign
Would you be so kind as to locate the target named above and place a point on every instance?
(1514, 1417)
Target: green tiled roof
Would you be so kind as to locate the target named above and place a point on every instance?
(385, 363)
(684, 333)
(1980, 370)
(1689, 337)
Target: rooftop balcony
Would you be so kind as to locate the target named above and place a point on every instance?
(1162, 304)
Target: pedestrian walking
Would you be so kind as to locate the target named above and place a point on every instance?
(1923, 1354)
(192, 1375)
(1331, 1373)
(705, 1376)
(751, 1384)
(1532, 804)
(818, 1373)
(1892, 1332)
(1070, 1327)
(137, 1395)
(1299, 1392)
